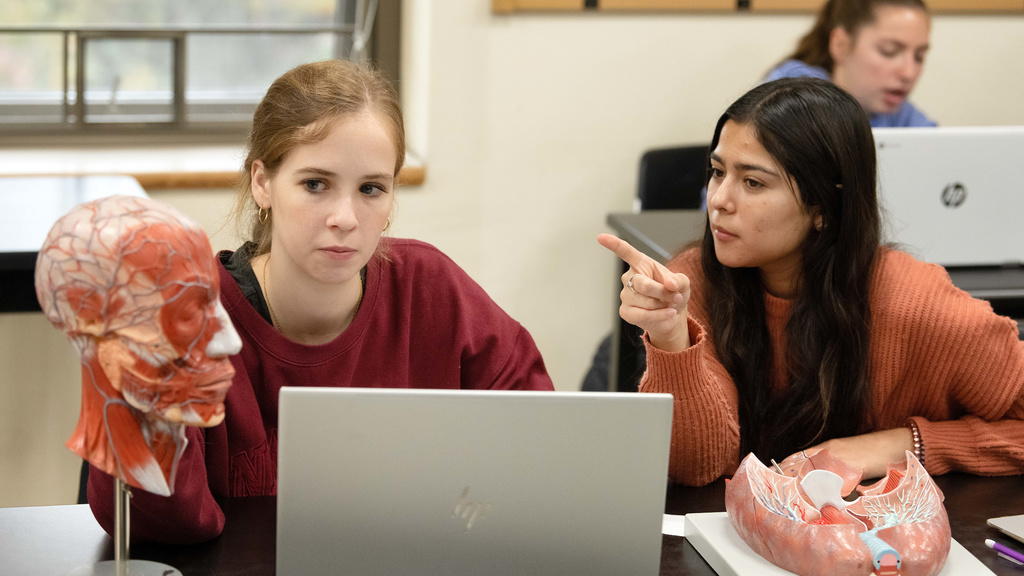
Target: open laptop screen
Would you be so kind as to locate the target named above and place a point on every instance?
(396, 482)
(954, 195)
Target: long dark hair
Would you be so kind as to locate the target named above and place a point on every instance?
(851, 15)
(821, 137)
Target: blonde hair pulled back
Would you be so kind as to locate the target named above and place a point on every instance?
(300, 108)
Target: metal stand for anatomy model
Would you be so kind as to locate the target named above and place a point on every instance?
(121, 565)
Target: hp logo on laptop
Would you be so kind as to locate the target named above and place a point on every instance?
(954, 194)
(468, 510)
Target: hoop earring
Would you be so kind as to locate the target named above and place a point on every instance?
(262, 215)
(386, 226)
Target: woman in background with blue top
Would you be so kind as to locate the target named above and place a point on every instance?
(873, 49)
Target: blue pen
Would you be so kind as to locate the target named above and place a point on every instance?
(1006, 552)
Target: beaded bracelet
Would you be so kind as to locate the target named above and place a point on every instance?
(918, 444)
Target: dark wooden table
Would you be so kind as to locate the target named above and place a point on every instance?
(52, 540)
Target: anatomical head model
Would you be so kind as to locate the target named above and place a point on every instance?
(134, 285)
(800, 516)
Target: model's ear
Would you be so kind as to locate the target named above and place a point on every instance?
(840, 44)
(260, 181)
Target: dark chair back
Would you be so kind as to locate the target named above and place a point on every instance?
(83, 483)
(672, 178)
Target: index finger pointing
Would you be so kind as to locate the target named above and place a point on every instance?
(622, 249)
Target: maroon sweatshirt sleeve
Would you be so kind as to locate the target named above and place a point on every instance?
(187, 516)
(495, 351)
(522, 368)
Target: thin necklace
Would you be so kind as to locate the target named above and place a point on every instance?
(266, 294)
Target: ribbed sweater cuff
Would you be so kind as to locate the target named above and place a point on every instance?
(953, 445)
(676, 373)
(943, 445)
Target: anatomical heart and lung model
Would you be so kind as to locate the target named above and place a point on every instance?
(809, 516)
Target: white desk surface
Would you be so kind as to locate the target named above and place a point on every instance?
(719, 544)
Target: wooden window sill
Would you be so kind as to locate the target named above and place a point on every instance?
(155, 167)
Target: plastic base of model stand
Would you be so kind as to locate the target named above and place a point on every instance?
(121, 565)
(129, 568)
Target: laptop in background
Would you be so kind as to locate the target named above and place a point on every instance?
(401, 482)
(954, 195)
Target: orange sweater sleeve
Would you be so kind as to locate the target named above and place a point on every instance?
(705, 418)
(952, 364)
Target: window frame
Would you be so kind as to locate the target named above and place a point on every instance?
(71, 127)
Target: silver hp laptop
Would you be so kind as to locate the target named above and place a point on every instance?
(954, 195)
(402, 482)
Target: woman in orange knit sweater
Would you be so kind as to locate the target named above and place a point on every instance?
(791, 327)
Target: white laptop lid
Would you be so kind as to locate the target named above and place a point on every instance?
(1012, 526)
(954, 195)
(402, 482)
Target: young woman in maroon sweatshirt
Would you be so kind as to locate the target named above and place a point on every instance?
(321, 297)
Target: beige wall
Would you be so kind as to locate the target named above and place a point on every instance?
(535, 125)
(531, 127)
